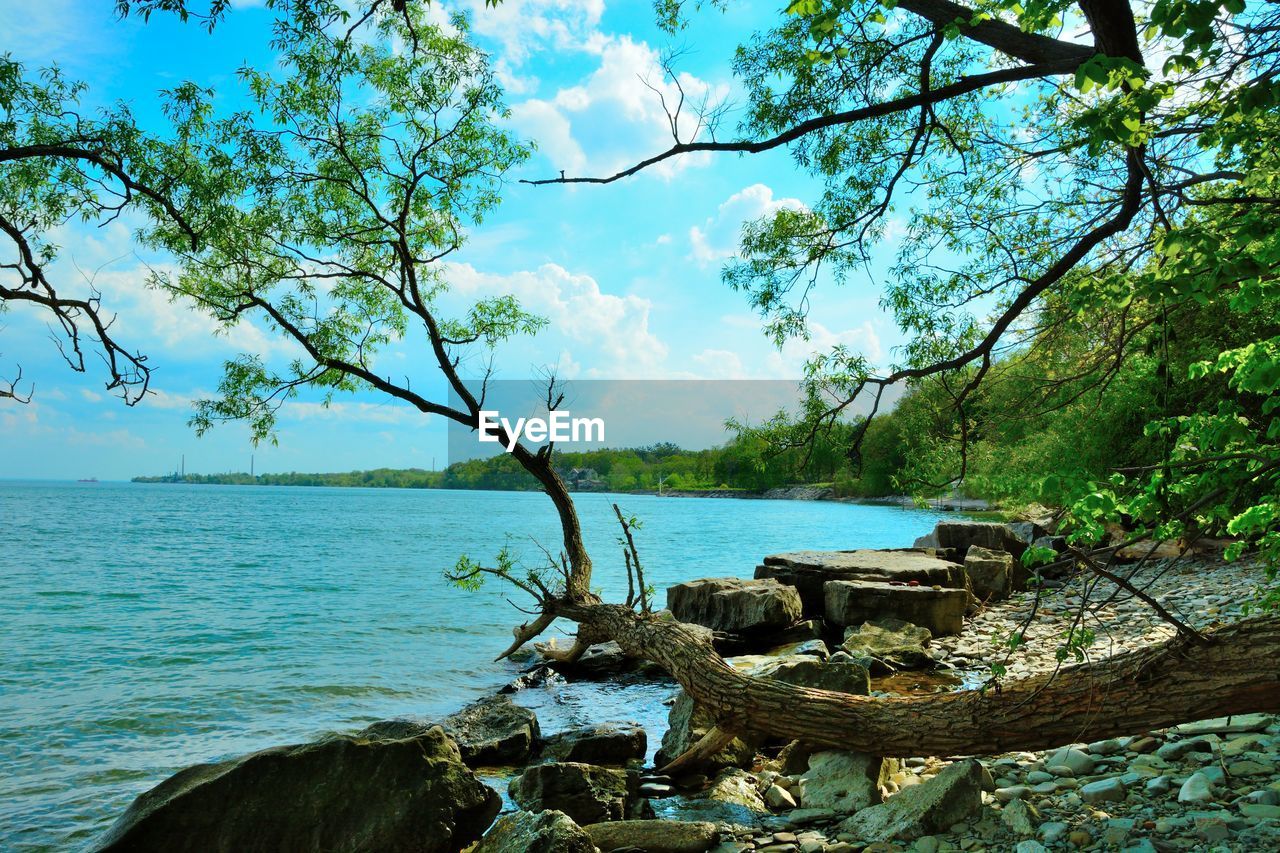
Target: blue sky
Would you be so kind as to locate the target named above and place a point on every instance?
(627, 273)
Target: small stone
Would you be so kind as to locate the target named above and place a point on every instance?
(927, 844)
(1081, 763)
(1035, 777)
(1159, 785)
(1248, 768)
(1080, 838)
(1045, 788)
(1053, 830)
(779, 797)
(1175, 750)
(1196, 789)
(1030, 846)
(1106, 747)
(1008, 795)
(1104, 790)
(1268, 798)
(1143, 745)
(1060, 770)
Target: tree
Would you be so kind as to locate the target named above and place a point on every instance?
(58, 166)
(364, 164)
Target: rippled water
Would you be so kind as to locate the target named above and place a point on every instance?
(147, 627)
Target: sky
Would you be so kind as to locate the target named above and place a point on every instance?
(628, 273)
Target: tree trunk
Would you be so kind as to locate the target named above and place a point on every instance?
(1175, 682)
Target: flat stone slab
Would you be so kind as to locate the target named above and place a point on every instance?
(808, 571)
(941, 610)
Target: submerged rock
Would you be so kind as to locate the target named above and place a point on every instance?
(350, 793)
(924, 809)
(736, 605)
(543, 832)
(585, 792)
(809, 571)
(940, 610)
(654, 836)
(604, 744)
(888, 645)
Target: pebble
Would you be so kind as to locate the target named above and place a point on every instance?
(1081, 763)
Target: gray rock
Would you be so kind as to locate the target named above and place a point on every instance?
(1197, 789)
(586, 793)
(925, 809)
(493, 731)
(890, 645)
(808, 571)
(544, 832)
(1054, 830)
(687, 723)
(778, 797)
(1081, 763)
(339, 794)
(1103, 790)
(839, 676)
(940, 610)
(1020, 818)
(732, 798)
(1237, 724)
(1030, 846)
(735, 604)
(844, 782)
(604, 744)
(961, 535)
(1260, 811)
(654, 836)
(1159, 785)
(1176, 749)
(1026, 531)
(1011, 793)
(990, 573)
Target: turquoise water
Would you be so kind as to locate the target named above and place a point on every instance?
(144, 628)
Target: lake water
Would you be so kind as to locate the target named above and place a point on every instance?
(144, 628)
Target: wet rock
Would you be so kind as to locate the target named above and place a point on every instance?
(349, 793)
(735, 604)
(844, 782)
(890, 645)
(939, 610)
(543, 832)
(990, 573)
(808, 571)
(1020, 818)
(604, 744)
(586, 793)
(732, 798)
(654, 836)
(687, 723)
(493, 731)
(542, 676)
(924, 809)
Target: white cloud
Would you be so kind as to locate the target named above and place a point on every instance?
(614, 117)
(613, 329)
(91, 396)
(718, 237)
(524, 27)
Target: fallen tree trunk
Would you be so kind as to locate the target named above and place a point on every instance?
(1233, 672)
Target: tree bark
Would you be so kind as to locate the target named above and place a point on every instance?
(1179, 681)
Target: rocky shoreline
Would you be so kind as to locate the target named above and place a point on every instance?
(929, 618)
(951, 503)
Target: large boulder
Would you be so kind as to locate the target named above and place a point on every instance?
(543, 832)
(603, 744)
(925, 809)
(654, 836)
(961, 535)
(938, 609)
(687, 723)
(845, 782)
(809, 571)
(991, 573)
(348, 793)
(735, 605)
(585, 792)
(839, 676)
(889, 645)
(494, 731)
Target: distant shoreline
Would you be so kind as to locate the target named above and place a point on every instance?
(800, 492)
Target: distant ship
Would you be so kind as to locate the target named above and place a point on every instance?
(88, 480)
